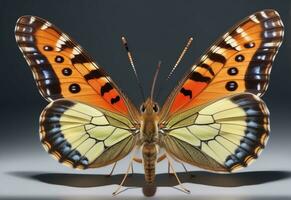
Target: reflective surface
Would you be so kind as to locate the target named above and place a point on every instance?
(35, 174)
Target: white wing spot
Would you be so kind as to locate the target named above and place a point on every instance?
(239, 30)
(233, 43)
(254, 19)
(45, 25)
(108, 78)
(39, 61)
(270, 44)
(66, 38)
(264, 15)
(61, 41)
(204, 57)
(75, 51)
(193, 67)
(94, 64)
(225, 35)
(28, 49)
(32, 20)
(213, 48)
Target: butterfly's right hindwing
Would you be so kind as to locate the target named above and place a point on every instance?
(223, 135)
(82, 136)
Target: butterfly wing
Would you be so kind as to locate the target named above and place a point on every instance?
(82, 136)
(62, 69)
(223, 135)
(239, 62)
(215, 119)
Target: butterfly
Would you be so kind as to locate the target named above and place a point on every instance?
(213, 119)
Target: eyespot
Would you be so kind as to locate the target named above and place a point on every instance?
(142, 108)
(156, 108)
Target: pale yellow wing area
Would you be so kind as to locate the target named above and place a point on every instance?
(82, 136)
(223, 135)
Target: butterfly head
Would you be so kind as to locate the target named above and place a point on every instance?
(149, 107)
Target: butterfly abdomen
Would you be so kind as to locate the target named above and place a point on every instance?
(149, 153)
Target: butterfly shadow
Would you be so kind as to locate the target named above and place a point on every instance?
(137, 180)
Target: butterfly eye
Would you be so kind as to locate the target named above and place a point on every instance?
(142, 108)
(156, 108)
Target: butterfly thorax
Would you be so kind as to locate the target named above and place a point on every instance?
(149, 138)
(149, 122)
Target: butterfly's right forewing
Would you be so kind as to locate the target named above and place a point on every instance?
(240, 61)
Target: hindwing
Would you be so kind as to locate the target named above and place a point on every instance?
(223, 135)
(82, 136)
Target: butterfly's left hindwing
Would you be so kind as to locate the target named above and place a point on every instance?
(223, 135)
(82, 136)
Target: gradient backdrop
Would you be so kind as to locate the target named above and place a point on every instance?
(156, 30)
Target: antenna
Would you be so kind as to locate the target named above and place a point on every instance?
(124, 41)
(155, 79)
(177, 62)
(180, 57)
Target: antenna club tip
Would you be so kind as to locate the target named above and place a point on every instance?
(159, 64)
(123, 39)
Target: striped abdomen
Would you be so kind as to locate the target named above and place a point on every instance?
(149, 154)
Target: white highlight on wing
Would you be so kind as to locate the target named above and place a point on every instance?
(263, 14)
(29, 49)
(32, 20)
(75, 51)
(254, 19)
(45, 25)
(232, 42)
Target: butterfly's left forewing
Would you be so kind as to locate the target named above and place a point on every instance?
(62, 69)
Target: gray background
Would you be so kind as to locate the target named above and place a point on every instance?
(156, 30)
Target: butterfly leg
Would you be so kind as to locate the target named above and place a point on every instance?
(138, 160)
(131, 168)
(111, 172)
(190, 174)
(184, 167)
(169, 169)
(117, 191)
(162, 157)
(174, 172)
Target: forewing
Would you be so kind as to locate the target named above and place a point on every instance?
(222, 136)
(82, 136)
(62, 69)
(239, 62)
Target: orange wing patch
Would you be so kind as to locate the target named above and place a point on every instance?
(240, 62)
(62, 69)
